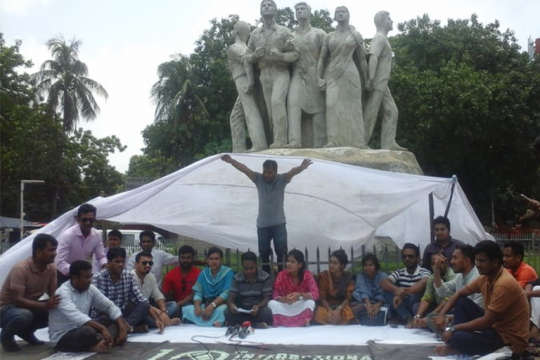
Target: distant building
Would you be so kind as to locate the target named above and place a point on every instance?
(534, 48)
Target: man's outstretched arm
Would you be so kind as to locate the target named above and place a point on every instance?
(297, 170)
(239, 166)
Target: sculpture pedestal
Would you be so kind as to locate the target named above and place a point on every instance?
(388, 160)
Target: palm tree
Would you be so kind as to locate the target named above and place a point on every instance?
(175, 93)
(64, 79)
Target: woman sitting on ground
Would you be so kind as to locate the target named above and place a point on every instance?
(211, 292)
(335, 292)
(369, 294)
(295, 292)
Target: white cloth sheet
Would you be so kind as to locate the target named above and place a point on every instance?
(314, 335)
(329, 204)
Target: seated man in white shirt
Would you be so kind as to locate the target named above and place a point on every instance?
(463, 260)
(150, 290)
(160, 257)
(70, 327)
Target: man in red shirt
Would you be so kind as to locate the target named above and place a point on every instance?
(513, 253)
(178, 283)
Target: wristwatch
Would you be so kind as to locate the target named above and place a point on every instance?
(417, 316)
(301, 297)
(214, 305)
(450, 328)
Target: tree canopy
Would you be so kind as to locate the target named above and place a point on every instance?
(31, 140)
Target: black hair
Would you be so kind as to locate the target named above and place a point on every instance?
(116, 253)
(442, 220)
(249, 256)
(77, 267)
(143, 254)
(186, 249)
(298, 256)
(270, 164)
(85, 209)
(341, 255)
(411, 246)
(490, 248)
(148, 233)
(373, 258)
(213, 250)
(40, 242)
(116, 233)
(517, 247)
(467, 251)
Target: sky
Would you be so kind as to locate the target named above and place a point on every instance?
(124, 41)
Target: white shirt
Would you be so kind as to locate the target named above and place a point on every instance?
(73, 310)
(149, 286)
(160, 259)
(459, 282)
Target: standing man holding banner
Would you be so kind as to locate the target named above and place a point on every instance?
(271, 220)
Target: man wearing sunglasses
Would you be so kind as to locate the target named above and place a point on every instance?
(150, 290)
(79, 242)
(404, 287)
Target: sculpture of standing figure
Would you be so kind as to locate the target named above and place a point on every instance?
(304, 93)
(267, 49)
(342, 82)
(380, 65)
(245, 109)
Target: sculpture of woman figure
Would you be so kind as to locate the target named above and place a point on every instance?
(342, 83)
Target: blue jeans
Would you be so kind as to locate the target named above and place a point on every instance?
(405, 310)
(20, 321)
(265, 235)
(473, 342)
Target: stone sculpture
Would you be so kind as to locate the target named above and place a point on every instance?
(380, 64)
(304, 94)
(245, 110)
(340, 78)
(271, 48)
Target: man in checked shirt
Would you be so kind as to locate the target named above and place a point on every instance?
(122, 289)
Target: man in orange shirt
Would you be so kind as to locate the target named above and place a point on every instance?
(513, 253)
(504, 319)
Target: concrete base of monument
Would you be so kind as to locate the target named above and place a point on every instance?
(388, 160)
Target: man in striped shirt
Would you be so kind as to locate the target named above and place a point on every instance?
(404, 287)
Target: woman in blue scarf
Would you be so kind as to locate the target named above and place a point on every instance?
(211, 292)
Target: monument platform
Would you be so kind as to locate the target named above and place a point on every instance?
(388, 160)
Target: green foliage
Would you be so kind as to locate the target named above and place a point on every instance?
(32, 140)
(467, 105)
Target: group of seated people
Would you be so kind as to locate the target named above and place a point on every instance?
(466, 297)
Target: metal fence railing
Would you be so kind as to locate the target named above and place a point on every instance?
(388, 253)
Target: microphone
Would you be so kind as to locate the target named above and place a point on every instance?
(246, 330)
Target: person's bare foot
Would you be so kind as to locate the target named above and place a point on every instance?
(217, 324)
(409, 324)
(175, 321)
(307, 323)
(261, 325)
(445, 350)
(140, 329)
(101, 347)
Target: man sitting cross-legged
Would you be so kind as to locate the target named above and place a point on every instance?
(21, 312)
(148, 285)
(251, 290)
(71, 329)
(122, 289)
(462, 261)
(431, 303)
(505, 319)
(404, 287)
(178, 283)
